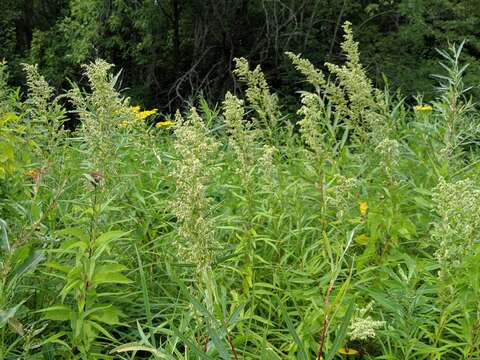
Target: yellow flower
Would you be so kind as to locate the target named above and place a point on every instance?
(147, 113)
(346, 351)
(135, 109)
(424, 108)
(143, 114)
(164, 123)
(363, 207)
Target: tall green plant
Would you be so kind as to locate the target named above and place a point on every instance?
(85, 268)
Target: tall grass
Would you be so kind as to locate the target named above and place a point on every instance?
(347, 229)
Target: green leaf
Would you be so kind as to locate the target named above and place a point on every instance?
(57, 266)
(7, 314)
(198, 352)
(146, 299)
(112, 278)
(342, 333)
(111, 268)
(73, 243)
(6, 152)
(232, 320)
(109, 315)
(99, 328)
(105, 274)
(109, 236)
(55, 339)
(135, 346)
(28, 265)
(57, 313)
(293, 331)
(36, 212)
(4, 244)
(78, 233)
(68, 287)
(8, 117)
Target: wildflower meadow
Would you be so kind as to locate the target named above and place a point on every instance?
(342, 226)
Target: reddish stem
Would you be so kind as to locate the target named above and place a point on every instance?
(232, 346)
(325, 321)
(205, 346)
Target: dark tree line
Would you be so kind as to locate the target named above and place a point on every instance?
(176, 50)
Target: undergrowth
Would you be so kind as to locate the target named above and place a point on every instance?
(348, 229)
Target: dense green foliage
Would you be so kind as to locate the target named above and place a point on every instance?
(173, 50)
(227, 233)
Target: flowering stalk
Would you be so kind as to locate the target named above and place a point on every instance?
(196, 242)
(259, 97)
(242, 140)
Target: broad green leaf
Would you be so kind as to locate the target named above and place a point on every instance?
(68, 287)
(75, 232)
(73, 243)
(110, 268)
(110, 278)
(55, 339)
(110, 315)
(57, 312)
(109, 236)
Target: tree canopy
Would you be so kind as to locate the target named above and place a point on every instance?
(176, 50)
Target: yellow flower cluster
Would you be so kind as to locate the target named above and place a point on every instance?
(138, 115)
(143, 114)
(164, 123)
(423, 108)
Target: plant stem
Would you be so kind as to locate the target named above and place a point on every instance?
(325, 320)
